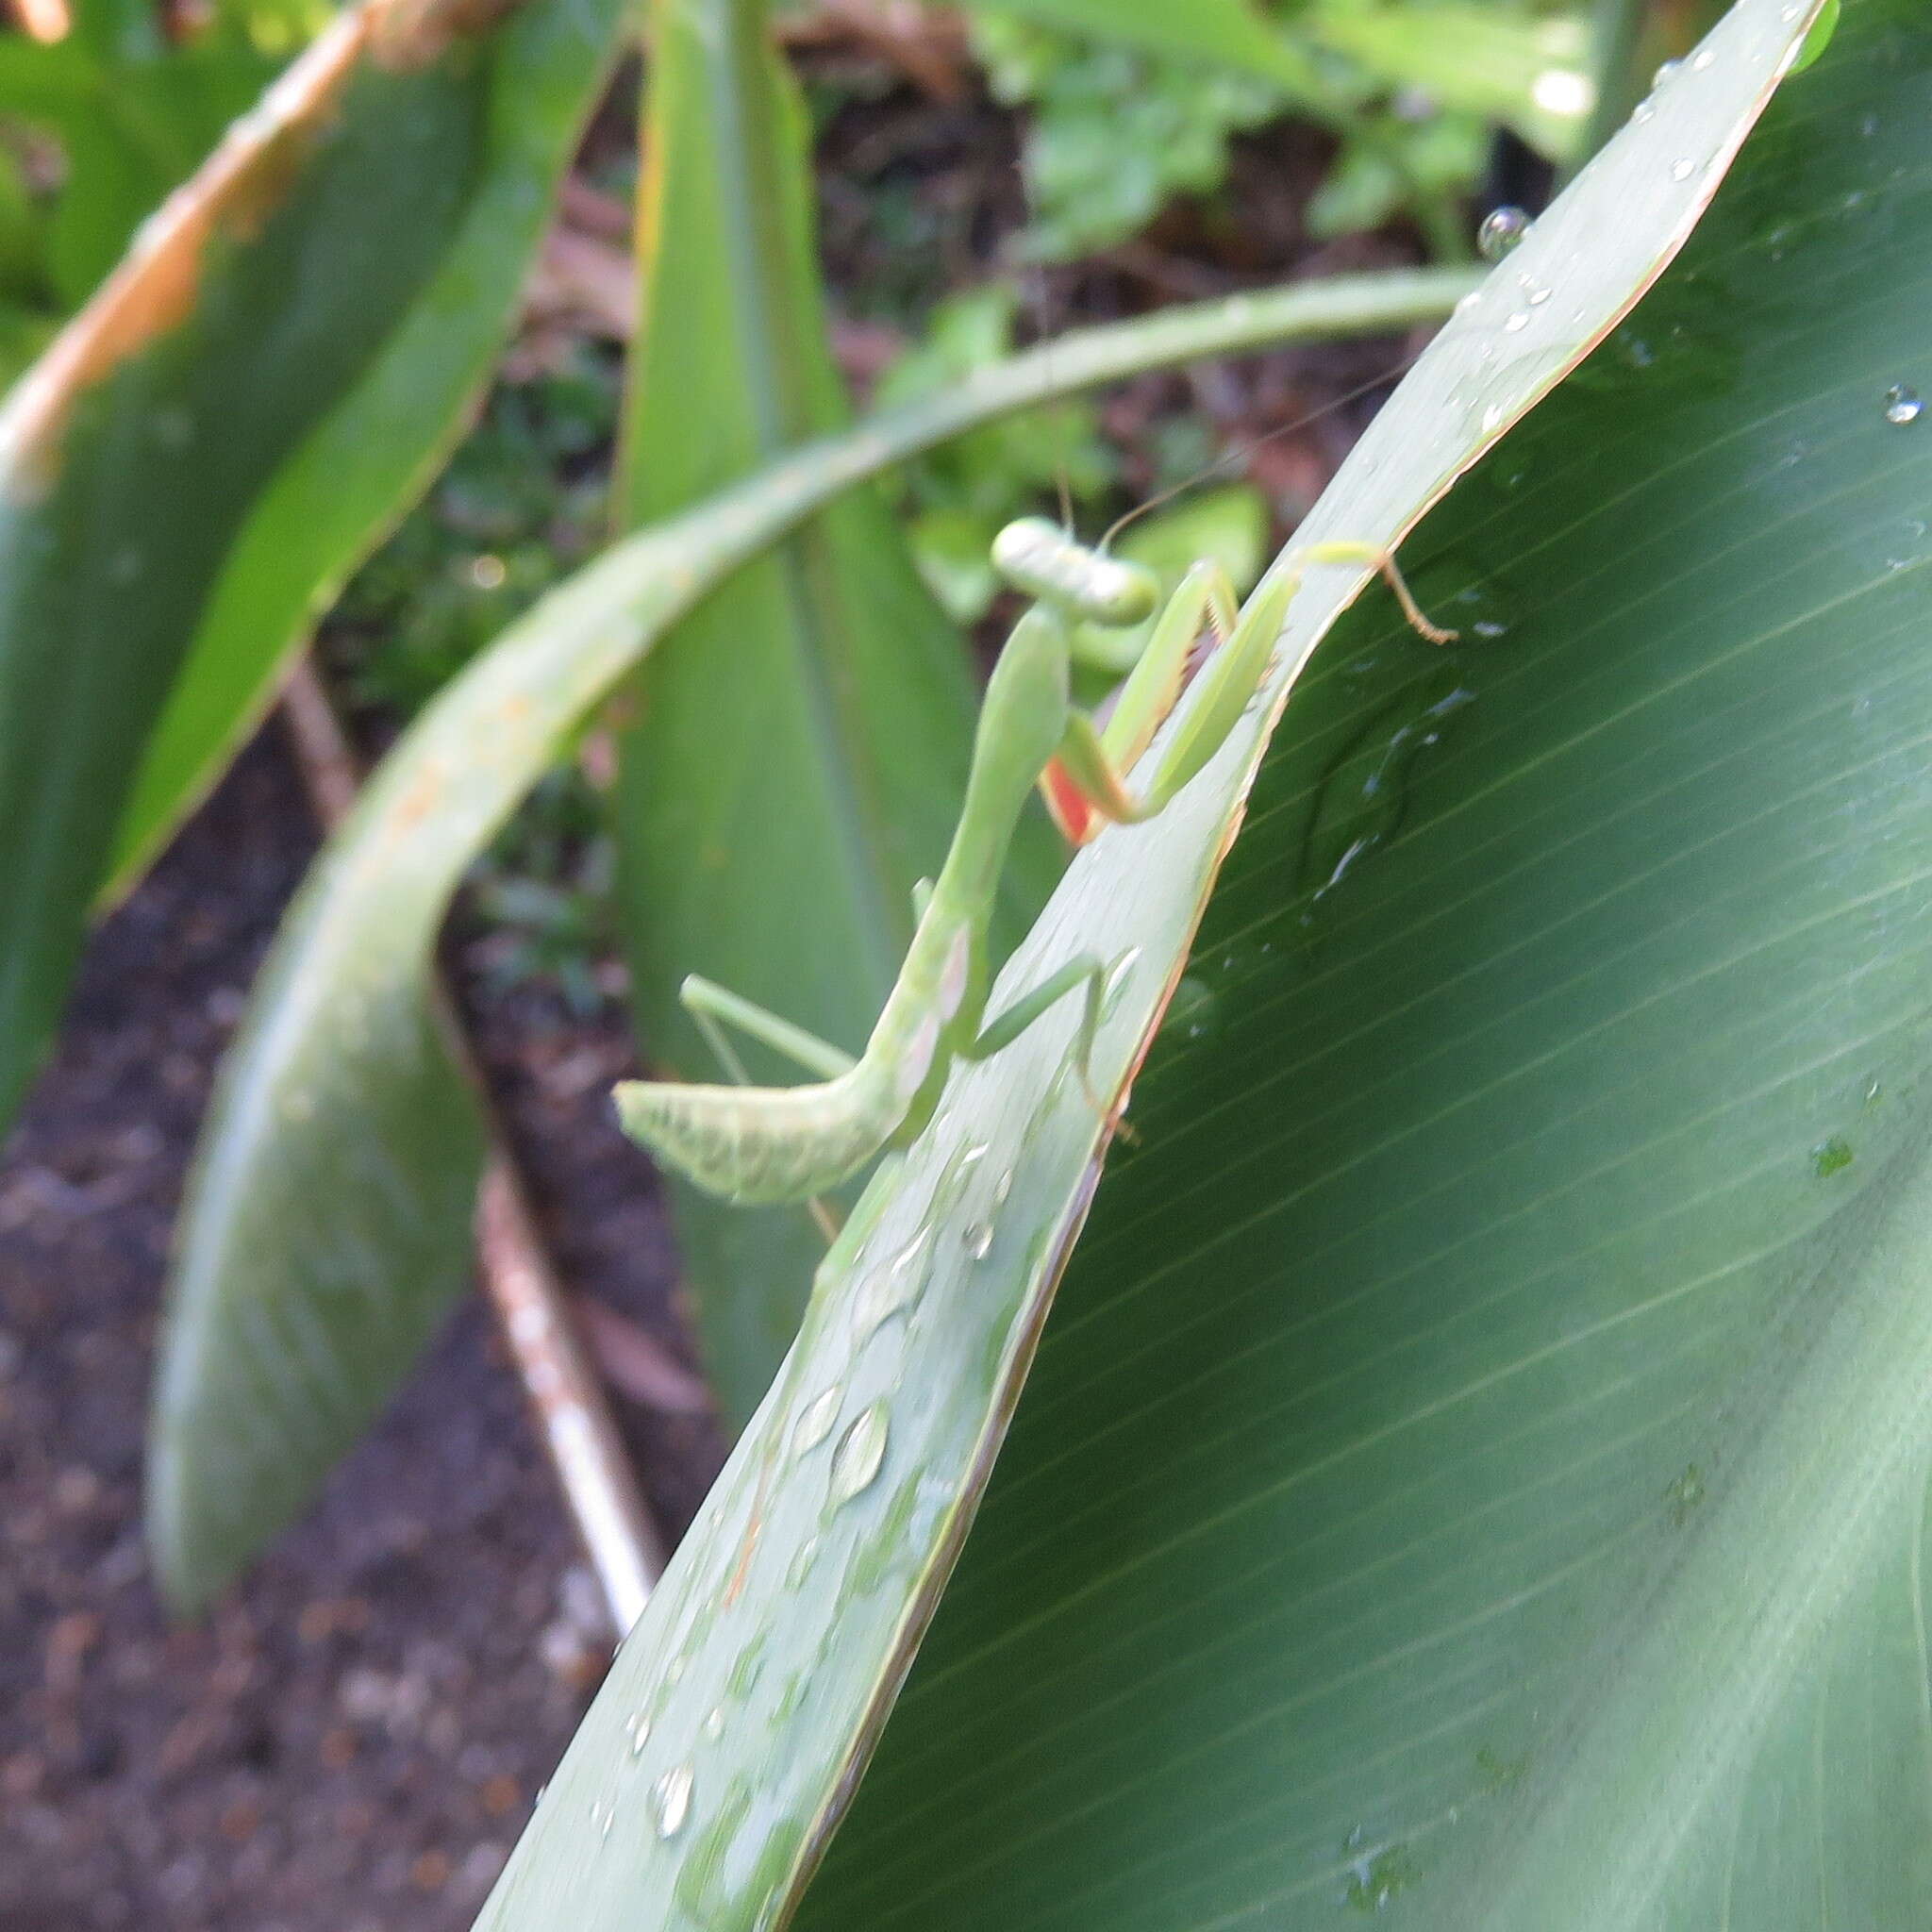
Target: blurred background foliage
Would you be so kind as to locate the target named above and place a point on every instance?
(107, 105)
(1122, 127)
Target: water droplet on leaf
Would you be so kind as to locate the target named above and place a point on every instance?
(887, 1292)
(1831, 1156)
(670, 1801)
(815, 1421)
(862, 1450)
(1502, 229)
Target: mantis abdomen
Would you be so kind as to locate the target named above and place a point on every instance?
(752, 1144)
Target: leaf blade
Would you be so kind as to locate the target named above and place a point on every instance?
(796, 740)
(378, 446)
(127, 465)
(1543, 1445)
(342, 1016)
(992, 1195)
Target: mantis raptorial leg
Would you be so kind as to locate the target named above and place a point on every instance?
(793, 1143)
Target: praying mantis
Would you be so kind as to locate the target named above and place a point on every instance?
(775, 1144)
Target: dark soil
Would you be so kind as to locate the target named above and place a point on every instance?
(353, 1739)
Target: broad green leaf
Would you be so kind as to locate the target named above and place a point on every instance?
(801, 737)
(134, 453)
(1529, 74)
(329, 1206)
(1477, 1472)
(1228, 33)
(717, 1759)
(362, 464)
(133, 111)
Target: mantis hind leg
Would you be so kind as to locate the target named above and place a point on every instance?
(1086, 975)
(708, 1004)
(712, 1007)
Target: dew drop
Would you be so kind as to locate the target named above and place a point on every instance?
(1365, 793)
(1194, 1012)
(1538, 297)
(979, 1235)
(815, 1421)
(714, 1726)
(801, 1564)
(886, 1292)
(1115, 984)
(1516, 322)
(1502, 229)
(1378, 1881)
(1682, 1493)
(1902, 405)
(670, 1801)
(1682, 170)
(1701, 59)
(639, 1725)
(1666, 74)
(862, 1450)
(1831, 1156)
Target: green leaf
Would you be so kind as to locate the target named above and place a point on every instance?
(716, 1761)
(1477, 1471)
(126, 464)
(1531, 75)
(298, 1296)
(382, 440)
(135, 455)
(1226, 33)
(801, 737)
